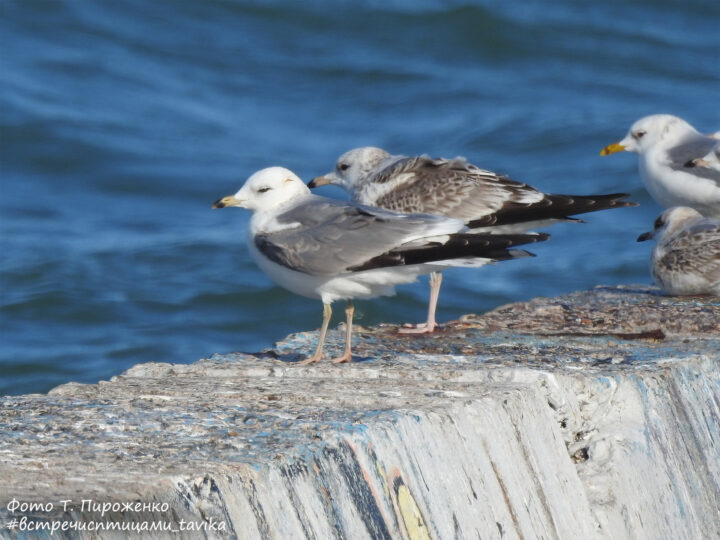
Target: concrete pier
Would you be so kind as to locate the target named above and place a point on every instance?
(592, 415)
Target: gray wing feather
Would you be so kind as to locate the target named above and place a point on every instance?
(329, 237)
(697, 147)
(682, 158)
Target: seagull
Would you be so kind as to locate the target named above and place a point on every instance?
(332, 250)
(686, 258)
(678, 164)
(483, 200)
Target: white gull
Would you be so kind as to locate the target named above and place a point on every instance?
(675, 162)
(331, 250)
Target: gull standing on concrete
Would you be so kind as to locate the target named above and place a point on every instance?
(483, 200)
(675, 162)
(686, 258)
(332, 250)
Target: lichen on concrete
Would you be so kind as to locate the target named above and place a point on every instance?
(592, 415)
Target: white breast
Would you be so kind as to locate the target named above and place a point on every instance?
(671, 187)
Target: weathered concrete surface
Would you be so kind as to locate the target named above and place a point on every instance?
(514, 424)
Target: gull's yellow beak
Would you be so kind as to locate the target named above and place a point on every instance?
(230, 200)
(611, 149)
(318, 181)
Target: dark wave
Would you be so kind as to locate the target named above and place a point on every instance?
(122, 122)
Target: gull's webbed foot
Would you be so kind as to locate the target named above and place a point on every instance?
(345, 358)
(423, 328)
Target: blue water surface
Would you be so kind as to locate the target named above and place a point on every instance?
(121, 122)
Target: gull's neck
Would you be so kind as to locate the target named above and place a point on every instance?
(366, 191)
(265, 221)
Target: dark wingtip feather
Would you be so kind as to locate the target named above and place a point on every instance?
(615, 199)
(561, 207)
(458, 246)
(518, 253)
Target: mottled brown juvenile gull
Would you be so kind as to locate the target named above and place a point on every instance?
(332, 250)
(675, 162)
(686, 257)
(483, 200)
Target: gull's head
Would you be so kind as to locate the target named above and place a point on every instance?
(664, 129)
(352, 168)
(265, 190)
(669, 221)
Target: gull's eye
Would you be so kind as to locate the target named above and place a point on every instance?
(343, 166)
(659, 222)
(263, 189)
(640, 134)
